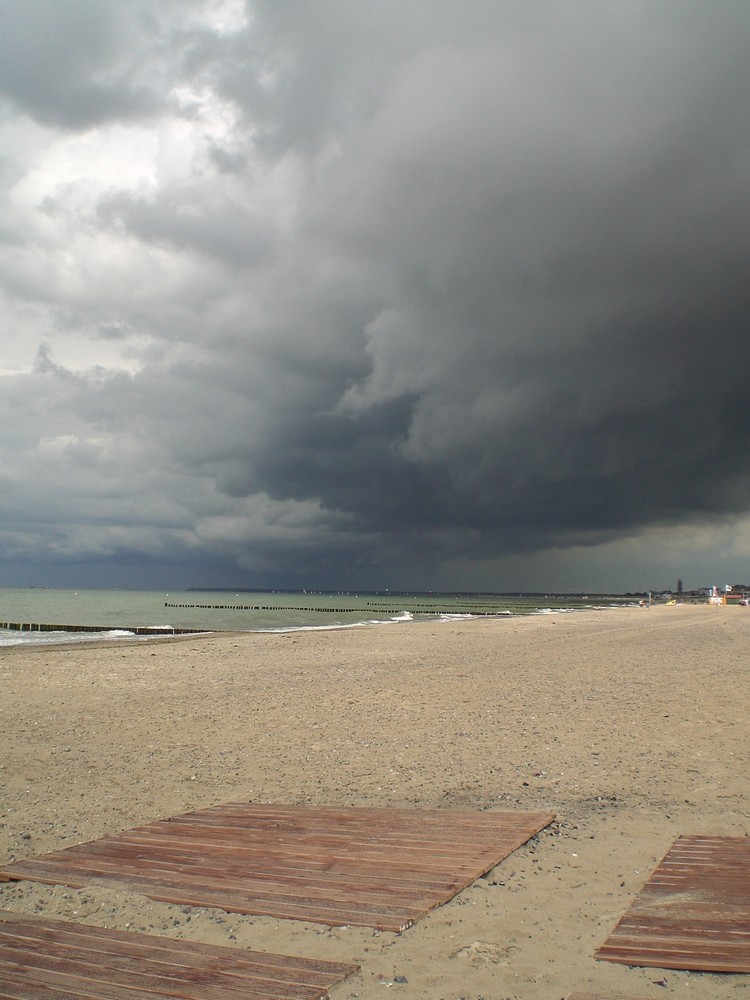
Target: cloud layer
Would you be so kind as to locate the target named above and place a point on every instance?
(373, 295)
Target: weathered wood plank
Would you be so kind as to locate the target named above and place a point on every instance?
(693, 913)
(44, 959)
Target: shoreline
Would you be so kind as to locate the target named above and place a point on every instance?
(109, 635)
(103, 613)
(630, 726)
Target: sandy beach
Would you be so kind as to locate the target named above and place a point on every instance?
(630, 725)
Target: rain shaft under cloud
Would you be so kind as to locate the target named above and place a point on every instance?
(352, 294)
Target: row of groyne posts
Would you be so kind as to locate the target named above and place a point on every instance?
(425, 610)
(135, 630)
(169, 630)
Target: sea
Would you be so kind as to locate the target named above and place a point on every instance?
(38, 615)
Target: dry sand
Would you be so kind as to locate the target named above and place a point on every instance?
(630, 725)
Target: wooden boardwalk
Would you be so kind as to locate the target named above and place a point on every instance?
(381, 868)
(693, 913)
(51, 960)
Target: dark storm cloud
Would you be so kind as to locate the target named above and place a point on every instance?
(432, 280)
(562, 219)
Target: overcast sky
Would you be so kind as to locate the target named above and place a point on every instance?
(445, 294)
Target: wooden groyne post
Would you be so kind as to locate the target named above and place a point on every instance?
(135, 630)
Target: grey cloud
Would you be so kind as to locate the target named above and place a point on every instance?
(183, 219)
(309, 74)
(59, 62)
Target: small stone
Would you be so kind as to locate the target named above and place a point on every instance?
(400, 979)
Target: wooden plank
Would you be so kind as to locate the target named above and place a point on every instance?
(40, 929)
(693, 913)
(369, 867)
(154, 871)
(253, 866)
(43, 959)
(261, 857)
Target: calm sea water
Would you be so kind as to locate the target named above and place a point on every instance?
(114, 613)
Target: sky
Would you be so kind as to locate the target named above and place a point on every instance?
(419, 294)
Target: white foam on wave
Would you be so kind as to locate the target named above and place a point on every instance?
(14, 638)
(406, 616)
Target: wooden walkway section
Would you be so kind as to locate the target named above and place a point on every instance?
(381, 868)
(693, 913)
(51, 960)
